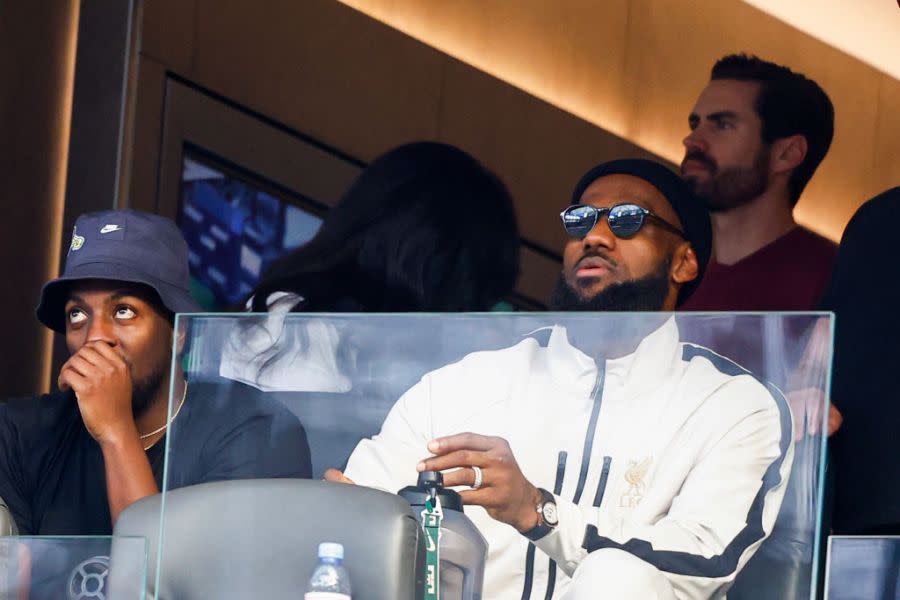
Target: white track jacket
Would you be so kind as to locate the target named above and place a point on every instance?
(672, 453)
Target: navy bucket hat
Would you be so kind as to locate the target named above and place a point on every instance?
(122, 245)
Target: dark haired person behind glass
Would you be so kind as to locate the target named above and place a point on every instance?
(424, 228)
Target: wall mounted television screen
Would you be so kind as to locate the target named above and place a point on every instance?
(236, 224)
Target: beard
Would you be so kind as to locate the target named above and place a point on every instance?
(647, 293)
(731, 187)
(144, 391)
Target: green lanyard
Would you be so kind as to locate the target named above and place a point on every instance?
(431, 524)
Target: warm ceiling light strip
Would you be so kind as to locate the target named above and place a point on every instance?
(601, 112)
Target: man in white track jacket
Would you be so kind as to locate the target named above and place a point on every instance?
(652, 471)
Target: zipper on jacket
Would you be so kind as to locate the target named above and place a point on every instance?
(582, 477)
(601, 485)
(560, 471)
(589, 437)
(597, 397)
(529, 555)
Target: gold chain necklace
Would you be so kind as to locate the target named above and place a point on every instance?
(169, 422)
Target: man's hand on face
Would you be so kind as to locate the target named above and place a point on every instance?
(505, 493)
(102, 383)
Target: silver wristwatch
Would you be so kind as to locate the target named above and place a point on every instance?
(548, 517)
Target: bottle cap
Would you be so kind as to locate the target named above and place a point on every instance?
(430, 479)
(331, 550)
(416, 495)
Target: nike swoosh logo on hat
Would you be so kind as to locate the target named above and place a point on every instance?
(110, 228)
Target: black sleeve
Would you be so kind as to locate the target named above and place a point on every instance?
(867, 251)
(14, 489)
(864, 296)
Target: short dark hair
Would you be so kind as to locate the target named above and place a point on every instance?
(788, 104)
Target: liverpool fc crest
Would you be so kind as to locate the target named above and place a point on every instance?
(634, 475)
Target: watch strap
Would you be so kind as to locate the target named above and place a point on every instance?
(542, 528)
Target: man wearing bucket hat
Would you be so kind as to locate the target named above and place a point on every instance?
(662, 507)
(72, 460)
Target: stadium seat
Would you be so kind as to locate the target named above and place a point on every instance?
(258, 539)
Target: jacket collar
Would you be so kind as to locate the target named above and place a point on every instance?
(651, 362)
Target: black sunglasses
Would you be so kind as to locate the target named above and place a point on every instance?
(624, 220)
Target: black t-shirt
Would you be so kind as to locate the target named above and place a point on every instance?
(52, 475)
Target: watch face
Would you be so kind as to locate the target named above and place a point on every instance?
(549, 513)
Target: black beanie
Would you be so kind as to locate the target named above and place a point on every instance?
(691, 210)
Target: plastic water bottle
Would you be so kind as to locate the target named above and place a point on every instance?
(330, 580)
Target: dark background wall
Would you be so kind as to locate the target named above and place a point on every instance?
(66, 68)
(37, 57)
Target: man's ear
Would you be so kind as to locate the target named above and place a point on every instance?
(787, 153)
(685, 267)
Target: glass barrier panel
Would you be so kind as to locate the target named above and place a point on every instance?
(862, 567)
(692, 443)
(72, 568)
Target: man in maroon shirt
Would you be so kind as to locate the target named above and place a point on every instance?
(758, 132)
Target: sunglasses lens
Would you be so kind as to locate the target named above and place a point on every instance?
(579, 220)
(625, 220)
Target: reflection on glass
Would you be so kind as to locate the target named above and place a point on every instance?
(863, 567)
(656, 440)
